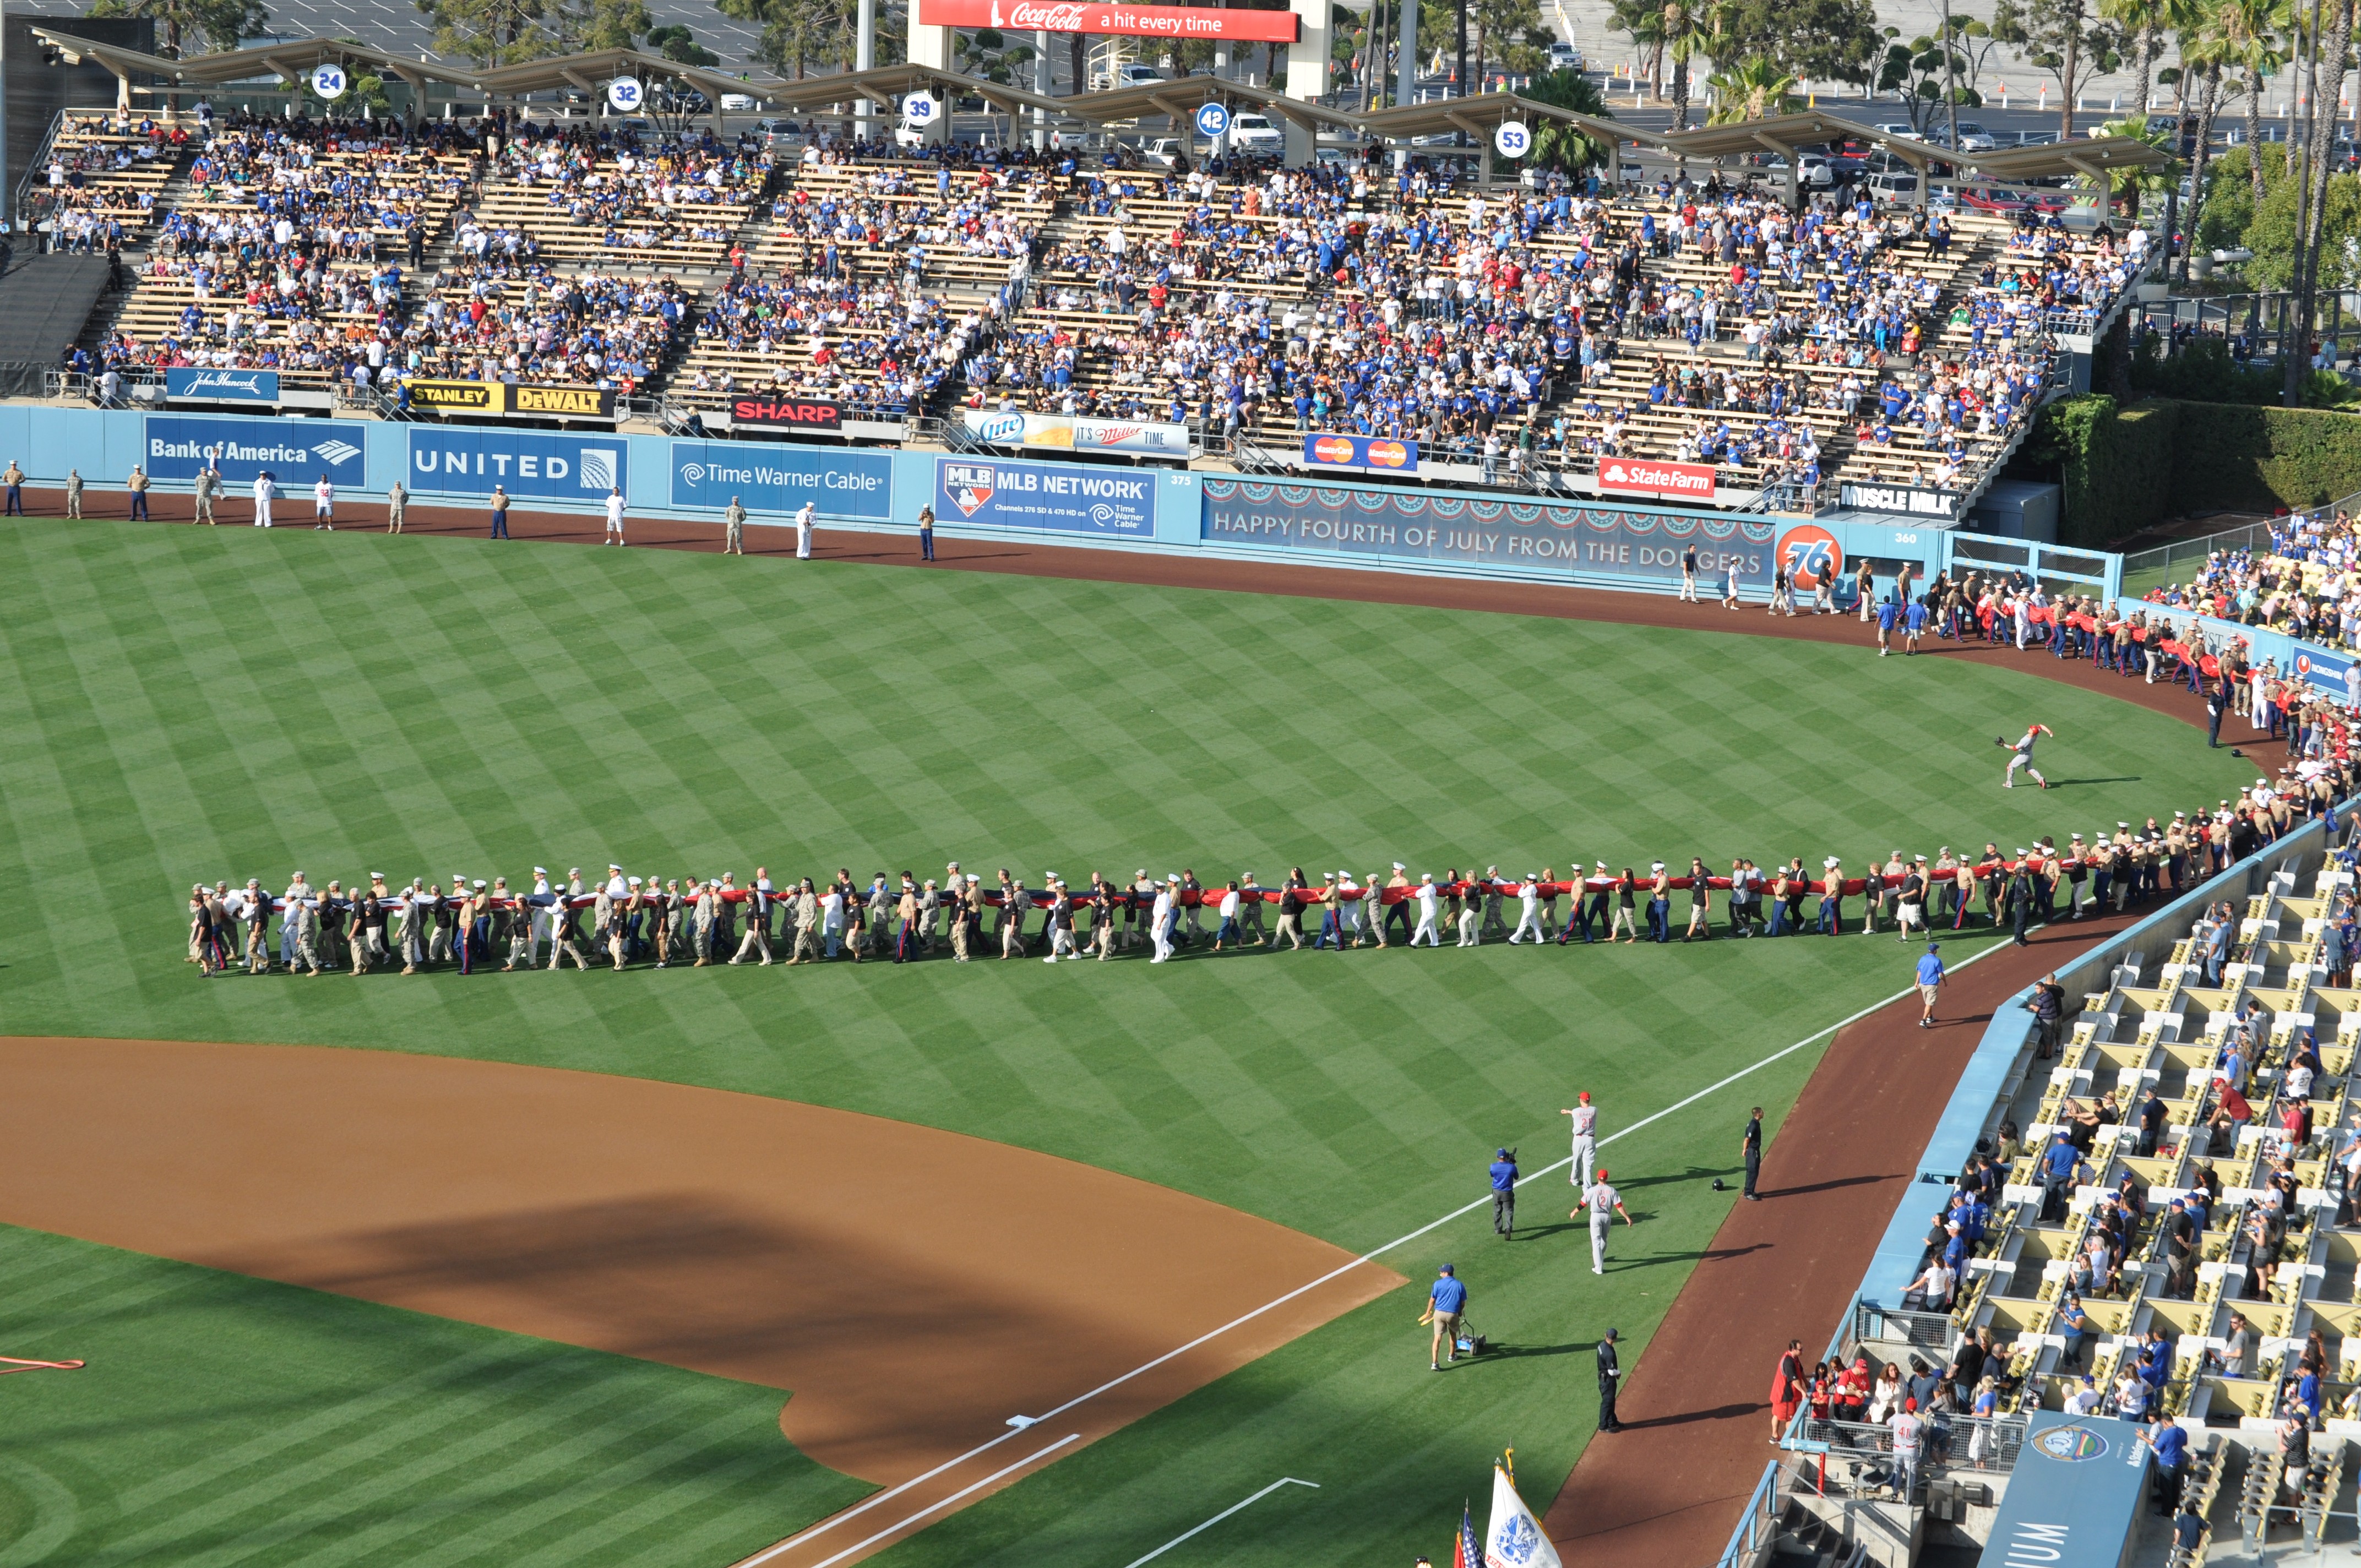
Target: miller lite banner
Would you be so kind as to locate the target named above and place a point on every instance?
(1374, 451)
(1093, 16)
(1648, 477)
(1068, 433)
(784, 413)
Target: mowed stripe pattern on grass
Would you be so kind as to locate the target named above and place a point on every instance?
(192, 701)
(224, 1420)
(202, 703)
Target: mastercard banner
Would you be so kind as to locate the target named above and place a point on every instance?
(1377, 453)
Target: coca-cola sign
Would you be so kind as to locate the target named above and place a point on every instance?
(1646, 475)
(1095, 16)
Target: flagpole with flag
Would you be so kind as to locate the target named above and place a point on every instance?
(1515, 1538)
(1464, 1553)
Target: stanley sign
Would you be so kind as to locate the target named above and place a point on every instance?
(504, 398)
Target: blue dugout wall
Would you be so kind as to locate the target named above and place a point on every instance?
(1325, 523)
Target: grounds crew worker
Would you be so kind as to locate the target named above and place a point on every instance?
(1610, 1373)
(1446, 1300)
(1504, 1194)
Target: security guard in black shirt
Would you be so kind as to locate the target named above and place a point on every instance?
(1610, 1374)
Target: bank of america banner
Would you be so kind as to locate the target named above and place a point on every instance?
(1333, 520)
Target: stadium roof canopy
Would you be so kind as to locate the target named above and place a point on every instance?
(1477, 116)
(2095, 158)
(887, 85)
(1183, 96)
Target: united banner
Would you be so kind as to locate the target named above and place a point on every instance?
(1333, 520)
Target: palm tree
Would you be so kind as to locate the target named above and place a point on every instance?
(1643, 20)
(2131, 184)
(2144, 20)
(1557, 145)
(1753, 90)
(2248, 31)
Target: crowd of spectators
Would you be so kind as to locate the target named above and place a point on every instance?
(636, 197)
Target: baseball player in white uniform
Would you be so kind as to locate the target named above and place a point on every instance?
(1586, 1140)
(2024, 757)
(1599, 1197)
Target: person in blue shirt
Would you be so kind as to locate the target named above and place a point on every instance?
(1930, 964)
(1446, 1300)
(2058, 1163)
(1915, 625)
(1886, 616)
(1504, 1194)
(2074, 1325)
(2171, 1446)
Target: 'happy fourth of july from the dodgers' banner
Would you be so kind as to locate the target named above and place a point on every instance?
(1577, 538)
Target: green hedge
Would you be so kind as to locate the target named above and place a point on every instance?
(2124, 469)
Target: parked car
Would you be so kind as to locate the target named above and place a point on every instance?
(1973, 137)
(1256, 135)
(737, 103)
(1894, 186)
(776, 134)
(1564, 57)
(1164, 152)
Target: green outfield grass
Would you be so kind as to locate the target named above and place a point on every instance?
(186, 704)
(223, 1419)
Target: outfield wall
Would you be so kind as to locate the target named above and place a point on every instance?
(1604, 544)
(2323, 667)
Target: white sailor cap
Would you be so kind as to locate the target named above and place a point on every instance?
(2020, 851)
(634, 882)
(2076, 837)
(479, 881)
(1600, 864)
(1922, 859)
(537, 871)
(1828, 863)
(1400, 867)
(1655, 865)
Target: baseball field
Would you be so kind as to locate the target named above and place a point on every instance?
(523, 1268)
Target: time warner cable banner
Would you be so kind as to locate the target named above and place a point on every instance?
(771, 479)
(1325, 520)
(296, 452)
(524, 463)
(1063, 498)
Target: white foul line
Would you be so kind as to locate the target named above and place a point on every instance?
(1234, 1507)
(1145, 1368)
(947, 1502)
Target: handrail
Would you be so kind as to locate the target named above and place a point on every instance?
(1757, 1527)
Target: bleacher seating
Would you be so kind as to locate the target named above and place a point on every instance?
(101, 180)
(1535, 331)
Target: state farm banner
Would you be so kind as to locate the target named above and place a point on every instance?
(1612, 541)
(1648, 477)
(1360, 452)
(1064, 433)
(779, 412)
(1090, 16)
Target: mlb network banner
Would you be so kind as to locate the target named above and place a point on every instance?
(1066, 432)
(1090, 16)
(1061, 498)
(555, 467)
(1360, 452)
(775, 479)
(1338, 521)
(296, 450)
(187, 383)
(1647, 477)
